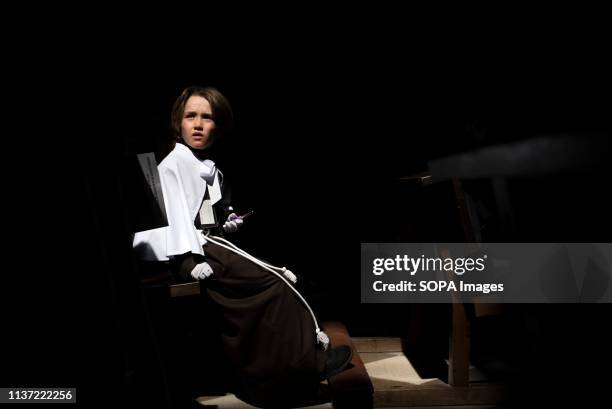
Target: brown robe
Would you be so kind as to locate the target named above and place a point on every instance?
(267, 333)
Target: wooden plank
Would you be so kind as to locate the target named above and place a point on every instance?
(448, 407)
(459, 351)
(377, 344)
(459, 345)
(440, 396)
(182, 290)
(230, 401)
(396, 383)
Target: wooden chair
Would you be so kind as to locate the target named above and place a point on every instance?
(461, 312)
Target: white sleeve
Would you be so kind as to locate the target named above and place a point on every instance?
(181, 233)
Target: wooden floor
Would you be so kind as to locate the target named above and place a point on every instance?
(398, 385)
(231, 402)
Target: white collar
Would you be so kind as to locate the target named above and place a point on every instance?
(186, 153)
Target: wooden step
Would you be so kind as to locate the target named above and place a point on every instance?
(351, 388)
(397, 384)
(230, 401)
(377, 344)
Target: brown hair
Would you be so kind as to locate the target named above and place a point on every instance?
(219, 105)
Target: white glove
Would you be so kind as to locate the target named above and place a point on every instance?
(232, 224)
(201, 271)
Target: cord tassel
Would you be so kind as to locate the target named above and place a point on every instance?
(323, 339)
(289, 275)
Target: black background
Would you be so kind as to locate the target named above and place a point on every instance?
(322, 132)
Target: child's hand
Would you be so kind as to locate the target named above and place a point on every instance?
(233, 223)
(201, 271)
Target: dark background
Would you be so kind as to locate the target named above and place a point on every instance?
(321, 137)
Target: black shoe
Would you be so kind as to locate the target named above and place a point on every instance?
(323, 393)
(337, 360)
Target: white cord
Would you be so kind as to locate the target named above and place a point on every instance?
(321, 336)
(286, 273)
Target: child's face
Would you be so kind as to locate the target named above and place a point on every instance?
(197, 124)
